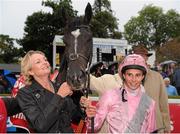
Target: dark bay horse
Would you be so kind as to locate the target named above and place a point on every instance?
(78, 51)
(74, 67)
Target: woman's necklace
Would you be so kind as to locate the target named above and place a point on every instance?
(51, 87)
(47, 85)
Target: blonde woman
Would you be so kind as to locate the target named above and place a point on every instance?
(46, 108)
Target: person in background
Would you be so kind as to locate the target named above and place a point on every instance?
(104, 69)
(172, 67)
(3, 116)
(156, 65)
(154, 86)
(131, 110)
(3, 85)
(98, 72)
(176, 78)
(46, 108)
(163, 74)
(171, 90)
(8, 107)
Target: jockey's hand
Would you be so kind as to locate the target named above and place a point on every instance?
(64, 90)
(90, 110)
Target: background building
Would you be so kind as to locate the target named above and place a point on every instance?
(106, 50)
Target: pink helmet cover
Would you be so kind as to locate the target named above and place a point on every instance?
(133, 60)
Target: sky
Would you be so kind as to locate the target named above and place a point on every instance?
(13, 13)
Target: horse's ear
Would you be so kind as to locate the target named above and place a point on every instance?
(88, 14)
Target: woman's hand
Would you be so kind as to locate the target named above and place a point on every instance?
(84, 102)
(64, 90)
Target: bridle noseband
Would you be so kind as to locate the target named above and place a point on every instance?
(73, 56)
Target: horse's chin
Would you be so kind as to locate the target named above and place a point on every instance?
(77, 87)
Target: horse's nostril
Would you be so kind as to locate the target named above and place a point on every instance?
(76, 78)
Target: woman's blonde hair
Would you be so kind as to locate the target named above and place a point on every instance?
(26, 66)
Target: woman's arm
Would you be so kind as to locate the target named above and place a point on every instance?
(41, 118)
(105, 82)
(12, 106)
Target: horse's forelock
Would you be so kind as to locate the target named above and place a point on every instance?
(74, 24)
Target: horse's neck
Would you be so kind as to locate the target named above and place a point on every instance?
(62, 74)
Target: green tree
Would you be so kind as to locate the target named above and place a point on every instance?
(9, 53)
(169, 51)
(173, 24)
(99, 5)
(152, 27)
(104, 24)
(41, 27)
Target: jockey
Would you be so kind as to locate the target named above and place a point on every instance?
(127, 109)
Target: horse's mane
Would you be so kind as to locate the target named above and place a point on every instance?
(62, 72)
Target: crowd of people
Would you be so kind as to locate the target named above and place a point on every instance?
(171, 75)
(132, 100)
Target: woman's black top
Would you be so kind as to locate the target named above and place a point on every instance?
(45, 111)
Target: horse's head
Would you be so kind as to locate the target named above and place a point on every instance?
(78, 50)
